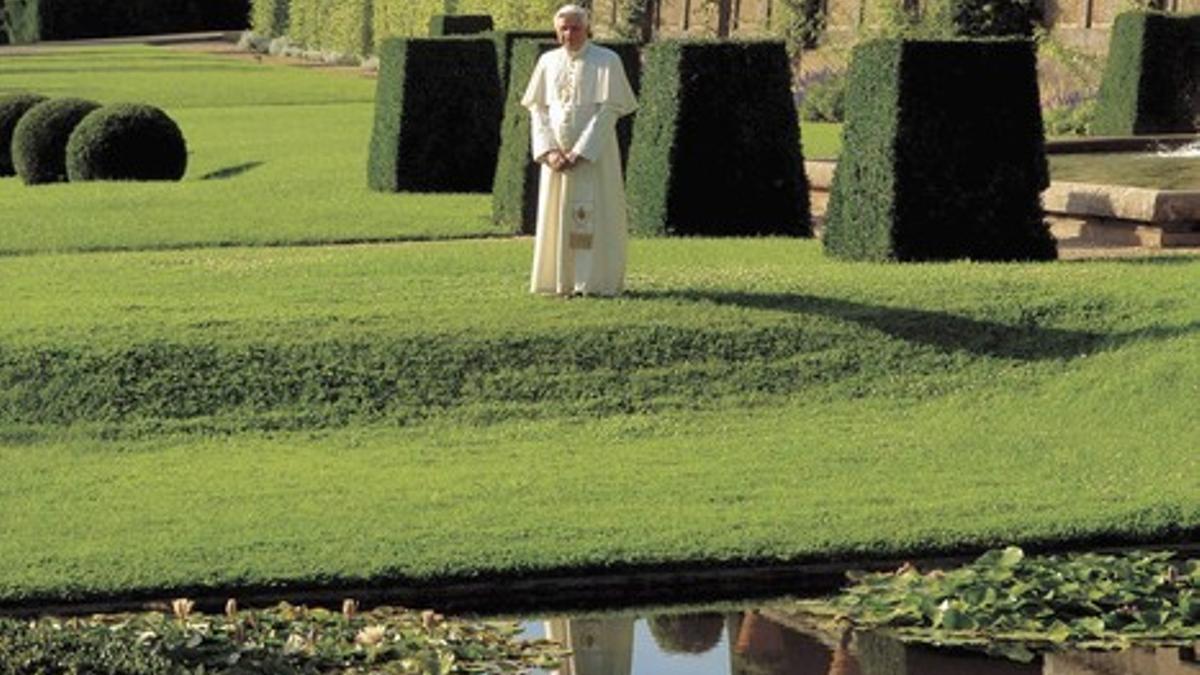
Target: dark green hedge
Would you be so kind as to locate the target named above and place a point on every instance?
(37, 20)
(39, 146)
(12, 108)
(715, 151)
(441, 25)
(437, 116)
(1152, 77)
(126, 141)
(269, 18)
(514, 193)
(938, 160)
(505, 41)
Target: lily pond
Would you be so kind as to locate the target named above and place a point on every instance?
(1079, 614)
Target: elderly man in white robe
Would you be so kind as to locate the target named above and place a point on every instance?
(576, 95)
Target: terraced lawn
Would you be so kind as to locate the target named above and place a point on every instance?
(408, 413)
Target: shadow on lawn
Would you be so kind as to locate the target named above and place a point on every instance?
(940, 330)
(230, 171)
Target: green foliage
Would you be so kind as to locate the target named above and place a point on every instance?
(825, 100)
(634, 20)
(1070, 120)
(715, 152)
(341, 26)
(686, 633)
(515, 192)
(411, 18)
(12, 107)
(126, 141)
(1008, 601)
(281, 639)
(455, 24)
(937, 162)
(1152, 78)
(438, 109)
(269, 18)
(39, 20)
(39, 145)
(803, 24)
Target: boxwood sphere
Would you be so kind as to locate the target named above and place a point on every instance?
(39, 146)
(12, 107)
(127, 141)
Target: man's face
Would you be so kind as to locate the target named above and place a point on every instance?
(572, 32)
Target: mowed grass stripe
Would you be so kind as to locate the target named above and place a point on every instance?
(1085, 456)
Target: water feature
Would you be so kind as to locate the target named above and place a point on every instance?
(1189, 150)
(765, 642)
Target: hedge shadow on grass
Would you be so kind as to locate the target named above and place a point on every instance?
(941, 330)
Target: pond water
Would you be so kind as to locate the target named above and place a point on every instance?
(762, 642)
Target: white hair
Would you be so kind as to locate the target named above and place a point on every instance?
(572, 10)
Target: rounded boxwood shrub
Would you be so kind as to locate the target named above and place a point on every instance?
(126, 141)
(12, 107)
(39, 146)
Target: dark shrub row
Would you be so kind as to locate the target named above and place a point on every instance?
(716, 152)
(1152, 77)
(437, 116)
(36, 20)
(126, 141)
(50, 141)
(937, 161)
(441, 25)
(515, 191)
(12, 108)
(39, 144)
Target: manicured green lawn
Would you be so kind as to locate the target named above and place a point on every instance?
(748, 400)
(276, 155)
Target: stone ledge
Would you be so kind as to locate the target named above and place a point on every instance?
(1170, 209)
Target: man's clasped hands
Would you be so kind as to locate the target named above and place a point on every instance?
(560, 160)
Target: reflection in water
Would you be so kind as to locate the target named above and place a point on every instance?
(763, 643)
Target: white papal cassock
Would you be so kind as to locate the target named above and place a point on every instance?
(576, 100)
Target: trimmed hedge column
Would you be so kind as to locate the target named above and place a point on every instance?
(505, 41)
(942, 155)
(1152, 78)
(459, 24)
(515, 191)
(437, 116)
(716, 147)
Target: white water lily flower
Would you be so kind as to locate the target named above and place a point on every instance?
(370, 636)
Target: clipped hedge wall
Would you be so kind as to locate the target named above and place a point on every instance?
(716, 152)
(505, 43)
(441, 25)
(342, 26)
(38, 20)
(1152, 77)
(126, 141)
(938, 162)
(411, 18)
(269, 18)
(437, 116)
(12, 108)
(39, 146)
(515, 191)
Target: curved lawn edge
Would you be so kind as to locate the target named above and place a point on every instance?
(585, 588)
